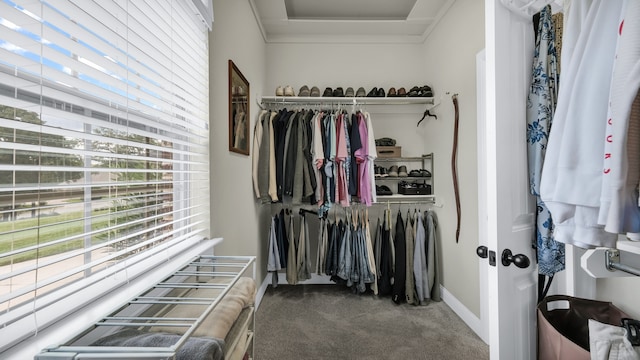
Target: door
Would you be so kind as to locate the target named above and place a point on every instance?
(507, 214)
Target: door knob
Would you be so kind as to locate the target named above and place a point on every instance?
(482, 251)
(519, 260)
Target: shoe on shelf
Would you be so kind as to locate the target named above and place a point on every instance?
(288, 91)
(349, 92)
(279, 91)
(402, 171)
(328, 92)
(401, 92)
(376, 170)
(425, 91)
(315, 92)
(361, 92)
(338, 92)
(425, 173)
(383, 190)
(414, 92)
(304, 91)
(393, 171)
(373, 92)
(392, 92)
(381, 92)
(415, 173)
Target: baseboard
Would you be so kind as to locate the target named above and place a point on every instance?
(469, 318)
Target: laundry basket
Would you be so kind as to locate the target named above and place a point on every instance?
(563, 325)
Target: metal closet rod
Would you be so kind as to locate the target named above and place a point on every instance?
(612, 262)
(307, 100)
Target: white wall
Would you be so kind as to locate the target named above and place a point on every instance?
(235, 215)
(622, 292)
(450, 64)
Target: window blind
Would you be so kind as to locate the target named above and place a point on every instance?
(103, 140)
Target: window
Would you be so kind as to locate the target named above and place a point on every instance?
(103, 140)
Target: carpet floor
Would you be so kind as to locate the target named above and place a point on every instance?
(330, 322)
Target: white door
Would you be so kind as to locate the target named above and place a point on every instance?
(507, 216)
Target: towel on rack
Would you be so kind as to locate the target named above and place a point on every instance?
(193, 349)
(218, 323)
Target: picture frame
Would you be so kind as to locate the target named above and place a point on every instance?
(239, 137)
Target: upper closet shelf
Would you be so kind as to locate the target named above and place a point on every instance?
(307, 100)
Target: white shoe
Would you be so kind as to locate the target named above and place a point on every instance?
(288, 91)
(279, 91)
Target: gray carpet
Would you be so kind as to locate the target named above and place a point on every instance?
(330, 322)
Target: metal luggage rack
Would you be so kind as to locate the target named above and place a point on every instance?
(218, 273)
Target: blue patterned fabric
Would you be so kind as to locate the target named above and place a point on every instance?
(541, 103)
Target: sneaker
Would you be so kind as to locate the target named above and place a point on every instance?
(402, 171)
(349, 92)
(315, 92)
(361, 92)
(328, 92)
(279, 91)
(288, 91)
(338, 92)
(393, 171)
(376, 171)
(304, 91)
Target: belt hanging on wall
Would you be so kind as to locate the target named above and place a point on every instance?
(454, 160)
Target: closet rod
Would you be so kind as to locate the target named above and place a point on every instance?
(307, 100)
(612, 262)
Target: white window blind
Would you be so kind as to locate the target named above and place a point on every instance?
(103, 140)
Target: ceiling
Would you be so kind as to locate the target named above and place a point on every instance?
(348, 21)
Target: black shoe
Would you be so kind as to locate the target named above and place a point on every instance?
(381, 92)
(338, 92)
(373, 92)
(327, 92)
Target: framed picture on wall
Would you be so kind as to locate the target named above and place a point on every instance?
(239, 137)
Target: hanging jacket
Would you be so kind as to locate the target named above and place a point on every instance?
(399, 277)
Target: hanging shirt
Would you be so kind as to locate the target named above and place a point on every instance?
(317, 154)
(273, 184)
(255, 156)
(420, 262)
(372, 155)
(342, 185)
(571, 182)
(619, 211)
(541, 103)
(409, 282)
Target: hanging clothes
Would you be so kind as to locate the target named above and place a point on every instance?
(420, 262)
(399, 275)
(409, 282)
(292, 266)
(303, 261)
(433, 276)
(541, 104)
(620, 212)
(257, 147)
(571, 182)
(273, 258)
(370, 254)
(385, 278)
(323, 240)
